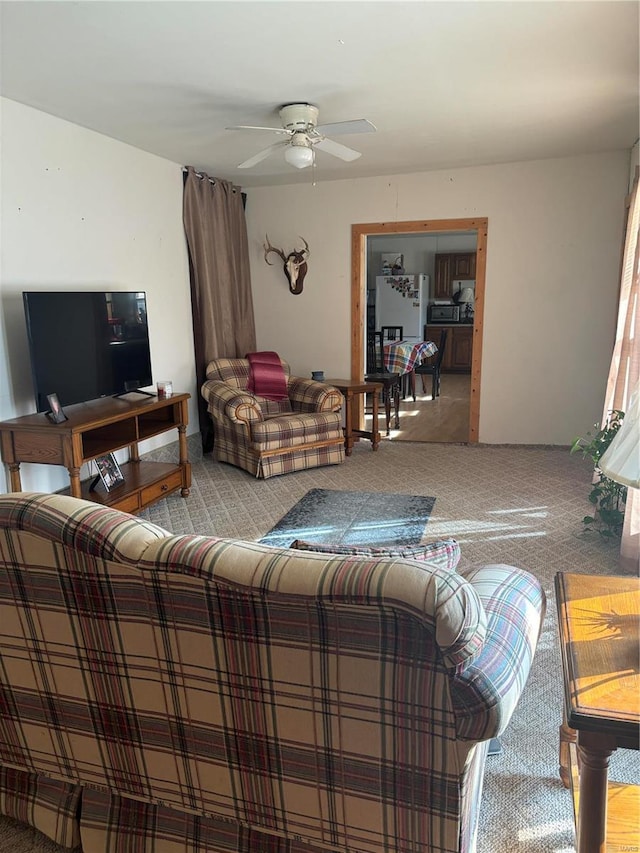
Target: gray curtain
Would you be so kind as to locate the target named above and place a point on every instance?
(216, 231)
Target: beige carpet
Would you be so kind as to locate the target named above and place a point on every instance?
(515, 505)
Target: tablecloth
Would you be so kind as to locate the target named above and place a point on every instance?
(404, 356)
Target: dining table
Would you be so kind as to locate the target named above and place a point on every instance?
(403, 356)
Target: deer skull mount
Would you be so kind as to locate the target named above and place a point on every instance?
(295, 264)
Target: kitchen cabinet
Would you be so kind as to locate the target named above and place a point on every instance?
(464, 265)
(442, 277)
(459, 347)
(450, 266)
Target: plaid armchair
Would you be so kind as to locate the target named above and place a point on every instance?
(184, 694)
(266, 437)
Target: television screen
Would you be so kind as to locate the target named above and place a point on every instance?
(87, 345)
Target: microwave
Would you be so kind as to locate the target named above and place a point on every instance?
(444, 313)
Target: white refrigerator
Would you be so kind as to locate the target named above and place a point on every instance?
(401, 300)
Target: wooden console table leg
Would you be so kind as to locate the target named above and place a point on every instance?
(594, 751)
(14, 476)
(567, 736)
(182, 444)
(74, 480)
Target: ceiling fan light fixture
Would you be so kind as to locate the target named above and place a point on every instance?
(299, 156)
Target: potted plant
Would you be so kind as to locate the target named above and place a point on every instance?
(607, 496)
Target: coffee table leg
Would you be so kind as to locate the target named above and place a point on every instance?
(594, 751)
(567, 736)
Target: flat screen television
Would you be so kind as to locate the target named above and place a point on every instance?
(85, 345)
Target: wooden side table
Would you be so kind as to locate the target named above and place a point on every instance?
(349, 388)
(598, 623)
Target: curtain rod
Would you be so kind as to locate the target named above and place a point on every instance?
(199, 175)
(212, 181)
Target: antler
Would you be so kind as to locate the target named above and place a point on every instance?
(307, 250)
(269, 248)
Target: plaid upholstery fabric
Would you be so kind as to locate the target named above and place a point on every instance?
(267, 437)
(218, 695)
(515, 604)
(296, 430)
(47, 804)
(443, 554)
(111, 822)
(234, 371)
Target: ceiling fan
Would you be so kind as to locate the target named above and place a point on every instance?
(304, 135)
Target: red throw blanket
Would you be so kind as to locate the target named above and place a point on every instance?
(266, 376)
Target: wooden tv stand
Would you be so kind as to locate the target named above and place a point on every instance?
(99, 427)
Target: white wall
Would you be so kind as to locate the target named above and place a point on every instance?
(80, 210)
(553, 259)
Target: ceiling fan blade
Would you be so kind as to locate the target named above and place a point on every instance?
(259, 157)
(253, 127)
(337, 149)
(358, 125)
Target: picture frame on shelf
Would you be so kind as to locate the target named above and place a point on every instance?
(109, 471)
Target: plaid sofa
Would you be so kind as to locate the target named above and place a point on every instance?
(266, 437)
(184, 694)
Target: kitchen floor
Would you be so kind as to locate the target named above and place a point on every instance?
(445, 419)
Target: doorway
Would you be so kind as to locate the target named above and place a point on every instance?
(359, 234)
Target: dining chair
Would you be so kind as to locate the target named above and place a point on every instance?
(392, 333)
(433, 367)
(396, 333)
(376, 372)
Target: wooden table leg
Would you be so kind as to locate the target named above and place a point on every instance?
(14, 476)
(594, 752)
(185, 491)
(74, 481)
(375, 434)
(386, 397)
(396, 401)
(348, 424)
(567, 736)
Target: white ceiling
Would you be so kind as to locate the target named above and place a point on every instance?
(447, 84)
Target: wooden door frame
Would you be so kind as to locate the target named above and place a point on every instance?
(359, 234)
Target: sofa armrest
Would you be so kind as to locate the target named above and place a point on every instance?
(485, 693)
(225, 402)
(306, 395)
